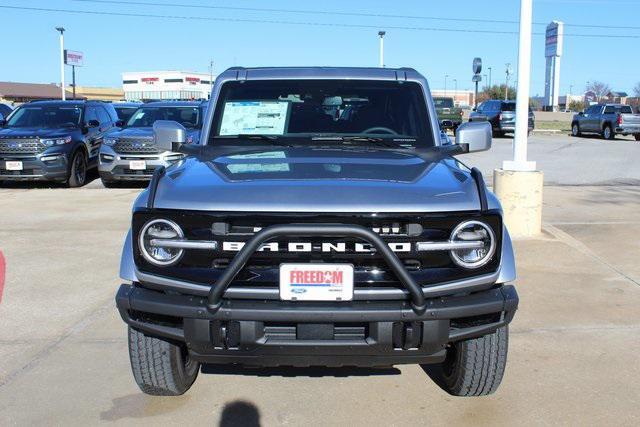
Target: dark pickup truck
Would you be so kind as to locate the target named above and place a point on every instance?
(449, 116)
(501, 115)
(322, 221)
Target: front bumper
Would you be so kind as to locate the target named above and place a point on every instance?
(280, 333)
(116, 166)
(54, 167)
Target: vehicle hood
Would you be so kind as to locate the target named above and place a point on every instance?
(35, 132)
(319, 180)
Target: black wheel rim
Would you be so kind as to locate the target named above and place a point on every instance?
(79, 168)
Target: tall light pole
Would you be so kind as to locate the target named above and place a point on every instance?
(61, 30)
(485, 81)
(381, 34)
(445, 84)
(489, 68)
(518, 184)
(520, 162)
(455, 90)
(210, 78)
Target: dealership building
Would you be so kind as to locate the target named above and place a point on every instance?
(157, 85)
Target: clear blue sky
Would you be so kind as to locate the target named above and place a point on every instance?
(113, 44)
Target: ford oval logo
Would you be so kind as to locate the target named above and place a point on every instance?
(15, 145)
(298, 291)
(138, 144)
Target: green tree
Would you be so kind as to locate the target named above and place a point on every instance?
(496, 92)
(576, 105)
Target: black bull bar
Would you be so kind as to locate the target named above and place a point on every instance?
(418, 302)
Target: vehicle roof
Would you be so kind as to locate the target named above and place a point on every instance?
(78, 102)
(126, 104)
(265, 73)
(172, 104)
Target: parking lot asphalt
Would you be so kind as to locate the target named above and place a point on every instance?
(574, 342)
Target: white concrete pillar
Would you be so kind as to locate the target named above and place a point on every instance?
(520, 194)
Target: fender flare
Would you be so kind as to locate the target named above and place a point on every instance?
(127, 264)
(507, 259)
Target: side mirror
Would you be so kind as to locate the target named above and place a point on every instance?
(168, 135)
(93, 124)
(475, 135)
(581, 113)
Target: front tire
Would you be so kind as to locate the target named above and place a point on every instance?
(637, 136)
(78, 170)
(575, 130)
(607, 133)
(498, 134)
(475, 367)
(160, 368)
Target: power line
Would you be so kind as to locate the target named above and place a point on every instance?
(338, 13)
(306, 23)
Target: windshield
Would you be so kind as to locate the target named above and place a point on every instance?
(443, 102)
(188, 117)
(49, 116)
(315, 110)
(125, 113)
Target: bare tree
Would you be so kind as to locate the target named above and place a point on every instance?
(636, 89)
(601, 89)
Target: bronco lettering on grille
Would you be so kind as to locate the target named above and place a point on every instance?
(322, 247)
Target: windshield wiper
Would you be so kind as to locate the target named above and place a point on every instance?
(373, 140)
(271, 139)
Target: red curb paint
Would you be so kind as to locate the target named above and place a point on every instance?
(2, 269)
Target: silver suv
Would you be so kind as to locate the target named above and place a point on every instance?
(323, 221)
(129, 153)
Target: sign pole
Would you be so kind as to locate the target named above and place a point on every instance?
(73, 80)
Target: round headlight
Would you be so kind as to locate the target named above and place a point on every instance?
(482, 242)
(150, 238)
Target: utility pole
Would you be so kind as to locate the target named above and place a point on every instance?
(485, 81)
(445, 84)
(61, 30)
(455, 90)
(506, 89)
(381, 34)
(489, 68)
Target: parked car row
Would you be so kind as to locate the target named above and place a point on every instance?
(61, 141)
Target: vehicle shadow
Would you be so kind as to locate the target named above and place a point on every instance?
(240, 413)
(287, 371)
(92, 175)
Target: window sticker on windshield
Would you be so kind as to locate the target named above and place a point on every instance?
(254, 118)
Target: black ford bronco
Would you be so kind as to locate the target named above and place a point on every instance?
(322, 221)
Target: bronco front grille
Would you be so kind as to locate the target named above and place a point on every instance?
(135, 146)
(21, 146)
(204, 266)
